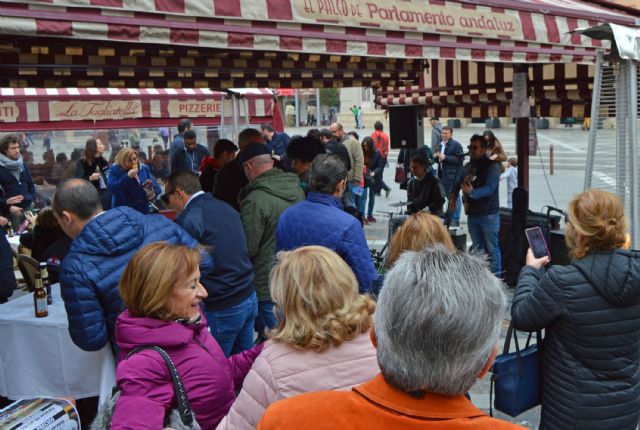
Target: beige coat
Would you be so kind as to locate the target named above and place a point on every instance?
(282, 371)
(357, 159)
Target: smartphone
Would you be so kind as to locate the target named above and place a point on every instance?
(536, 242)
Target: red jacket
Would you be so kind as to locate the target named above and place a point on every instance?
(378, 406)
(381, 140)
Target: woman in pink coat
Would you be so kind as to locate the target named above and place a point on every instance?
(161, 290)
(321, 341)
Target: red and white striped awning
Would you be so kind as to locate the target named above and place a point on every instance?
(72, 108)
(192, 37)
(481, 89)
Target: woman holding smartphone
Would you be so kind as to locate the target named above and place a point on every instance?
(590, 311)
(131, 183)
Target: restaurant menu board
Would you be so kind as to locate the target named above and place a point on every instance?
(40, 414)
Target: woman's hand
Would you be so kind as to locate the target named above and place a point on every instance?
(536, 262)
(15, 210)
(15, 199)
(132, 173)
(493, 157)
(94, 176)
(30, 217)
(3, 221)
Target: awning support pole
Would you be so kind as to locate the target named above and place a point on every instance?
(234, 104)
(222, 132)
(633, 152)
(593, 128)
(318, 116)
(297, 106)
(522, 139)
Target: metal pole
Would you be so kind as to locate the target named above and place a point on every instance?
(622, 118)
(318, 116)
(551, 166)
(234, 105)
(633, 153)
(593, 128)
(297, 103)
(222, 132)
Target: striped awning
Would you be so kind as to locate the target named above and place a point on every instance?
(273, 43)
(72, 108)
(481, 89)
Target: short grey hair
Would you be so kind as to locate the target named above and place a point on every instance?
(438, 319)
(326, 172)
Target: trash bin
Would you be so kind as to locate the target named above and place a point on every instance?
(492, 123)
(453, 123)
(542, 123)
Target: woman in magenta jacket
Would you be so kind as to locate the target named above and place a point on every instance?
(161, 289)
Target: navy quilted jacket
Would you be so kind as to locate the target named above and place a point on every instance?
(91, 270)
(590, 311)
(320, 220)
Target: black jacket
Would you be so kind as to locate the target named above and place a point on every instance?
(425, 193)
(185, 160)
(84, 170)
(590, 311)
(229, 181)
(335, 147)
(216, 225)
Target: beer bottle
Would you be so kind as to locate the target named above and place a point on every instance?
(40, 298)
(9, 229)
(102, 185)
(45, 282)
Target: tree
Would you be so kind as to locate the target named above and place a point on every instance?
(330, 97)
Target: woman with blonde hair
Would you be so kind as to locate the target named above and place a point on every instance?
(321, 340)
(419, 230)
(590, 311)
(162, 293)
(130, 182)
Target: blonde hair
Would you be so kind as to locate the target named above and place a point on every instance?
(123, 156)
(419, 230)
(597, 216)
(152, 274)
(316, 294)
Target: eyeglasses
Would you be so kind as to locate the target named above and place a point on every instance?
(165, 196)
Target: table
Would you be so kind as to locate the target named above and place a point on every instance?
(14, 241)
(39, 359)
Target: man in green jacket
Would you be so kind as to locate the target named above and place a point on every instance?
(270, 191)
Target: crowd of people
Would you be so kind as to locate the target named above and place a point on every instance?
(264, 294)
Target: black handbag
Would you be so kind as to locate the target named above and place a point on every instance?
(180, 418)
(517, 376)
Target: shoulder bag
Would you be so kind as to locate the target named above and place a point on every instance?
(401, 175)
(517, 376)
(180, 418)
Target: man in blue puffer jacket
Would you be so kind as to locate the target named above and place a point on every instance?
(321, 220)
(103, 244)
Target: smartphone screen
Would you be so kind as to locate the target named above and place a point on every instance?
(537, 242)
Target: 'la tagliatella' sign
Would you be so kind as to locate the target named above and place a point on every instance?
(396, 14)
(95, 110)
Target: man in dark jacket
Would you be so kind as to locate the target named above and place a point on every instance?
(332, 146)
(301, 152)
(270, 191)
(178, 141)
(7, 276)
(276, 142)
(231, 306)
(320, 220)
(190, 157)
(423, 189)
(479, 181)
(231, 178)
(16, 184)
(103, 244)
(450, 157)
(224, 152)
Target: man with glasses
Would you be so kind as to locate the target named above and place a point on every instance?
(479, 181)
(231, 305)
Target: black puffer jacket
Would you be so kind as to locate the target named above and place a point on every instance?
(591, 312)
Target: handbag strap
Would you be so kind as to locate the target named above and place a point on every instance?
(184, 408)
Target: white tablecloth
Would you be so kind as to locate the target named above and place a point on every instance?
(14, 241)
(39, 359)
